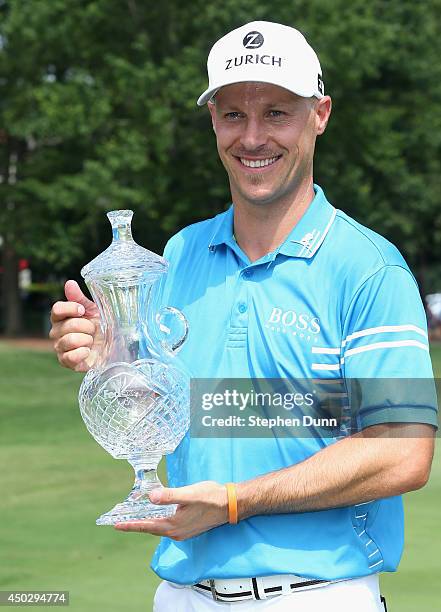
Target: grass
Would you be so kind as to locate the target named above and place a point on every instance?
(416, 584)
(55, 480)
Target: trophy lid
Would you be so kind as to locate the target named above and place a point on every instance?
(124, 261)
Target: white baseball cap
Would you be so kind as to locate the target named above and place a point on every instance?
(265, 52)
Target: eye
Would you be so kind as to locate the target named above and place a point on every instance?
(232, 115)
(276, 113)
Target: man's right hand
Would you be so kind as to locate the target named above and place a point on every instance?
(75, 329)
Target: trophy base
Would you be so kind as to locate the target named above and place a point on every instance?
(135, 511)
(137, 506)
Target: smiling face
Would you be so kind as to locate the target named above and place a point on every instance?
(265, 139)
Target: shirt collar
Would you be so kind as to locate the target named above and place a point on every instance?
(303, 240)
(224, 229)
(307, 236)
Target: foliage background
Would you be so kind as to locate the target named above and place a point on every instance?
(97, 111)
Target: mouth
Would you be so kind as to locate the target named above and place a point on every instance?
(257, 165)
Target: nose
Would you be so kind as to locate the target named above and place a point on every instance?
(253, 134)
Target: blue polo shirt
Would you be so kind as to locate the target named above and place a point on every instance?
(334, 301)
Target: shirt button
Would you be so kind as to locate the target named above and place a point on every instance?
(242, 307)
(248, 273)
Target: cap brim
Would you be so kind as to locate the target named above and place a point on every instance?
(209, 93)
(205, 97)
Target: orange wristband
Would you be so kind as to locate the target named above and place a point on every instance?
(232, 502)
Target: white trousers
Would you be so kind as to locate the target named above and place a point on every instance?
(357, 595)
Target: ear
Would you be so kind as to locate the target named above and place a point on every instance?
(212, 109)
(323, 111)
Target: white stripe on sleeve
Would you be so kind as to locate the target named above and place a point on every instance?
(384, 329)
(386, 345)
(325, 366)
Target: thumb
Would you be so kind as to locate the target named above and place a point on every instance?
(73, 293)
(164, 495)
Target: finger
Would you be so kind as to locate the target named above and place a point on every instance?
(54, 332)
(70, 342)
(74, 325)
(178, 495)
(159, 526)
(65, 310)
(83, 366)
(72, 359)
(73, 293)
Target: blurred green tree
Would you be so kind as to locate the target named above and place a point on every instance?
(97, 111)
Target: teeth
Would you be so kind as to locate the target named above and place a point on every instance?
(258, 163)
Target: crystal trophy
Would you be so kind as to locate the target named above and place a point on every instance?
(135, 398)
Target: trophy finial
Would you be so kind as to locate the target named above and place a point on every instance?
(121, 221)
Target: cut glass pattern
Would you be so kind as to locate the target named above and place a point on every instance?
(135, 399)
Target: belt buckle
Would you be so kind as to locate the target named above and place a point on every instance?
(213, 590)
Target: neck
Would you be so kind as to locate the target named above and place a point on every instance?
(261, 228)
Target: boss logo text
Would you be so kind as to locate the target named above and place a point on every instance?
(290, 318)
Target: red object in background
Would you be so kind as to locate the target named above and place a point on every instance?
(23, 264)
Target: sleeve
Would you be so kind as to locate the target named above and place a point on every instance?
(168, 281)
(385, 352)
(169, 248)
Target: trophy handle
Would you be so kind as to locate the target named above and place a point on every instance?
(174, 326)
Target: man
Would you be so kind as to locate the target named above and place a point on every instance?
(282, 285)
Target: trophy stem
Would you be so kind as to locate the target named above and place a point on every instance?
(137, 505)
(146, 476)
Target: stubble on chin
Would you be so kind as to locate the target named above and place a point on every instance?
(256, 179)
(239, 185)
(253, 198)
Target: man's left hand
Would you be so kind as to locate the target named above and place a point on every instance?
(201, 507)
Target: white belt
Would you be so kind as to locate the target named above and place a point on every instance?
(264, 587)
